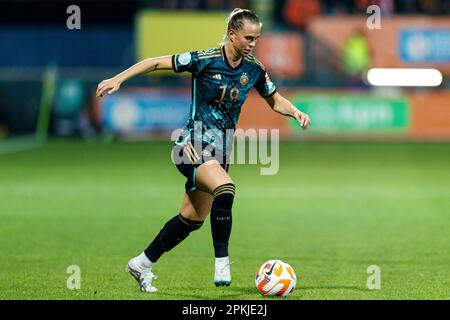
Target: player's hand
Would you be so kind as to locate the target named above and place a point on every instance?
(303, 119)
(109, 85)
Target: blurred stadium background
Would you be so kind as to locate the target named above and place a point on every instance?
(316, 51)
(373, 168)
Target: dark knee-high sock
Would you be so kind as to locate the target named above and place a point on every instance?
(173, 232)
(221, 218)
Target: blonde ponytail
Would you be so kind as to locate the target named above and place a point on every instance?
(236, 19)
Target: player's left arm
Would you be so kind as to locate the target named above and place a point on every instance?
(283, 106)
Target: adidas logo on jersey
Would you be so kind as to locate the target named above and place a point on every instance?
(217, 76)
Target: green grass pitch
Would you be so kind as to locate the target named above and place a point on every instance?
(332, 210)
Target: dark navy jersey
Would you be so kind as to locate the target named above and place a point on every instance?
(218, 89)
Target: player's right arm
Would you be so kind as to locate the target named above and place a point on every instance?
(148, 65)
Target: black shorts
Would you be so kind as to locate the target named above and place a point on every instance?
(191, 160)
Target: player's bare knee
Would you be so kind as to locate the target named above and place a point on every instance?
(190, 214)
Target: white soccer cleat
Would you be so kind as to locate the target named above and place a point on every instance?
(143, 276)
(222, 273)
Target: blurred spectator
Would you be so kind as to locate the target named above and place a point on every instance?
(356, 55)
(446, 7)
(244, 4)
(328, 7)
(189, 4)
(278, 16)
(387, 6)
(196, 4)
(214, 5)
(298, 13)
(407, 6)
(332, 7)
(431, 6)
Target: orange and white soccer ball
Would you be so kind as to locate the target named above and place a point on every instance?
(275, 278)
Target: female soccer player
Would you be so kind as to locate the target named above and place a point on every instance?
(222, 78)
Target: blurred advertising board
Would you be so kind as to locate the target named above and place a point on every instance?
(160, 33)
(402, 41)
(144, 112)
(430, 115)
(425, 45)
(344, 115)
(335, 114)
(353, 113)
(281, 54)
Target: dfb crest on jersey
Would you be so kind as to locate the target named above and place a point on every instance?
(244, 79)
